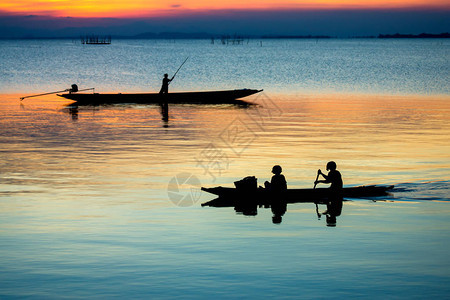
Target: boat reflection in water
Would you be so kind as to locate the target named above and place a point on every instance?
(278, 205)
(230, 97)
(247, 197)
(247, 203)
(73, 110)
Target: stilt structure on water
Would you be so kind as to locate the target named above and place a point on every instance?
(96, 40)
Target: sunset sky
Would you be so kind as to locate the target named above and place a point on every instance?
(339, 18)
(143, 8)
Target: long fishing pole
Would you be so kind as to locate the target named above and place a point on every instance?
(179, 68)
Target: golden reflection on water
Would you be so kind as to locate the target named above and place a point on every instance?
(111, 151)
(374, 139)
(84, 201)
(108, 153)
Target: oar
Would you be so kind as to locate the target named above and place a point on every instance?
(317, 178)
(21, 98)
(317, 207)
(179, 69)
(66, 90)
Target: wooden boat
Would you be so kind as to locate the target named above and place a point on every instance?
(229, 197)
(207, 97)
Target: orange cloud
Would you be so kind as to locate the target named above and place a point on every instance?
(141, 8)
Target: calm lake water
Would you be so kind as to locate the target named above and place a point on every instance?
(103, 202)
(284, 66)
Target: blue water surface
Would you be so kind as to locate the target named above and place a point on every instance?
(88, 195)
(358, 66)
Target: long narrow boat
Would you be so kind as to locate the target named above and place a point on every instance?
(229, 197)
(207, 97)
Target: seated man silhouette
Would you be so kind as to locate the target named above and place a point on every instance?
(334, 177)
(277, 186)
(278, 182)
(335, 195)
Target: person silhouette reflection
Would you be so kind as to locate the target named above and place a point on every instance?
(165, 113)
(335, 192)
(334, 209)
(277, 187)
(278, 207)
(73, 111)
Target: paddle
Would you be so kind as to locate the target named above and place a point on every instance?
(21, 98)
(73, 89)
(179, 69)
(315, 183)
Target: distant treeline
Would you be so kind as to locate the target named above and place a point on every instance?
(296, 37)
(205, 35)
(445, 35)
(170, 35)
(240, 38)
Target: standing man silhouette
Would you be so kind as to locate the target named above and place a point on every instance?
(165, 84)
(163, 101)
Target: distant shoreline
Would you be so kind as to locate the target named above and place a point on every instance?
(207, 36)
(445, 35)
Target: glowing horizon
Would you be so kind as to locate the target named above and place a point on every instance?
(145, 8)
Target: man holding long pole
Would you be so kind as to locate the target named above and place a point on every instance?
(165, 84)
(166, 81)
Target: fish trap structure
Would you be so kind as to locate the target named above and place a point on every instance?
(95, 40)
